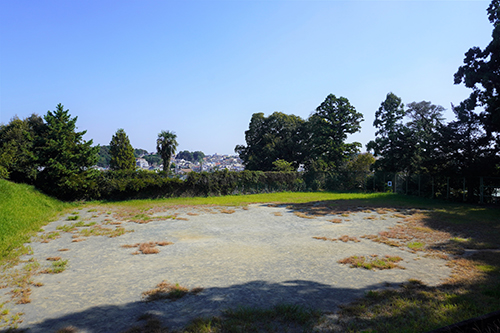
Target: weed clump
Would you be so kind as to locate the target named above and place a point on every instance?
(147, 247)
(373, 262)
(166, 290)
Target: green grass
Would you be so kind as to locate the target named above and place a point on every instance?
(280, 318)
(242, 200)
(474, 291)
(23, 210)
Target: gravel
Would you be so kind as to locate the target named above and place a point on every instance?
(259, 256)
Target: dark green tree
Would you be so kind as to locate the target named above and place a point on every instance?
(198, 156)
(328, 128)
(390, 135)
(279, 136)
(153, 159)
(18, 160)
(104, 157)
(121, 152)
(140, 152)
(185, 155)
(166, 145)
(481, 73)
(65, 158)
(426, 121)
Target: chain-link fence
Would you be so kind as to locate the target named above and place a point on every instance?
(474, 189)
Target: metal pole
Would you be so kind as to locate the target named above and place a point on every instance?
(395, 190)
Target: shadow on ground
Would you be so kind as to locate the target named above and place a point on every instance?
(210, 302)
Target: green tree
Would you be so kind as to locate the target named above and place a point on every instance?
(279, 136)
(390, 135)
(121, 152)
(198, 156)
(104, 157)
(166, 145)
(283, 166)
(66, 159)
(185, 155)
(426, 121)
(328, 128)
(153, 159)
(140, 152)
(18, 160)
(481, 73)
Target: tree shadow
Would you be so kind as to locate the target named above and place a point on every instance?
(210, 302)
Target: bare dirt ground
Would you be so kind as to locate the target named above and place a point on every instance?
(260, 255)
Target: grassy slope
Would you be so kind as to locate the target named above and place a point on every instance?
(23, 210)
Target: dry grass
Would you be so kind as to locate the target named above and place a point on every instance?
(63, 250)
(76, 240)
(343, 238)
(303, 215)
(147, 247)
(53, 258)
(346, 239)
(335, 220)
(182, 218)
(192, 214)
(48, 236)
(166, 290)
(227, 211)
(372, 262)
(278, 214)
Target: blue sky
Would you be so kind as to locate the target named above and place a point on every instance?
(202, 68)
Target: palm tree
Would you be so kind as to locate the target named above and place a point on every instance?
(166, 144)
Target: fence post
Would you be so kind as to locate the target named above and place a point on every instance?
(481, 189)
(407, 184)
(447, 188)
(395, 190)
(432, 188)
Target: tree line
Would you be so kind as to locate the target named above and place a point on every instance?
(49, 153)
(412, 139)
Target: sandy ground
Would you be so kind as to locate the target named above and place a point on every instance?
(258, 256)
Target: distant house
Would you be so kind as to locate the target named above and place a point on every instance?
(141, 163)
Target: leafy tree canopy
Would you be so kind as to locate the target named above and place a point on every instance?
(481, 73)
(121, 152)
(18, 160)
(166, 145)
(66, 159)
(140, 152)
(279, 136)
(328, 128)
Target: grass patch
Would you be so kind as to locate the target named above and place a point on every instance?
(98, 230)
(147, 247)
(23, 210)
(73, 217)
(72, 227)
(416, 246)
(166, 290)
(280, 318)
(373, 262)
(58, 266)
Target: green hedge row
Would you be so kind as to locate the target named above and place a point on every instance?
(125, 185)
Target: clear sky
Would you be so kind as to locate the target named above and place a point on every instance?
(201, 68)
